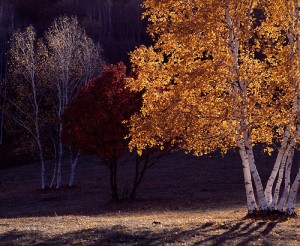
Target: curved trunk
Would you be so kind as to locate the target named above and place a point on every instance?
(287, 182)
(271, 180)
(279, 181)
(251, 203)
(255, 175)
(291, 204)
(73, 163)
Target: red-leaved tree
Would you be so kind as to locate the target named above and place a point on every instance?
(94, 120)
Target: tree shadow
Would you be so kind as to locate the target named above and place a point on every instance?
(210, 233)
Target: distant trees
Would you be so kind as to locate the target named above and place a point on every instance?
(45, 75)
(94, 120)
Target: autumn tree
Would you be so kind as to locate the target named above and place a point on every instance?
(281, 44)
(73, 60)
(204, 87)
(94, 120)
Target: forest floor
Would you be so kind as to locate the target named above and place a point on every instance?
(184, 200)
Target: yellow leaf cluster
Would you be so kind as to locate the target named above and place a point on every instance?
(203, 83)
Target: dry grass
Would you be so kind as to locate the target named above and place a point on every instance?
(186, 201)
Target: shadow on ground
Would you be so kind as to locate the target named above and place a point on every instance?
(235, 232)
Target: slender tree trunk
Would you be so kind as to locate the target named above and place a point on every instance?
(279, 181)
(55, 160)
(60, 158)
(113, 181)
(255, 175)
(251, 203)
(139, 174)
(43, 169)
(291, 203)
(287, 182)
(271, 180)
(38, 135)
(73, 163)
(54, 174)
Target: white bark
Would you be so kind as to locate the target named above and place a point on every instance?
(234, 49)
(271, 180)
(287, 182)
(255, 175)
(60, 158)
(279, 180)
(25, 58)
(73, 163)
(251, 203)
(74, 59)
(291, 203)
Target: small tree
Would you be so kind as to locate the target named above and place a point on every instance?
(27, 60)
(73, 60)
(94, 120)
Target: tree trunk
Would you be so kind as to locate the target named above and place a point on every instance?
(73, 163)
(279, 180)
(287, 182)
(42, 161)
(255, 175)
(60, 157)
(251, 203)
(291, 204)
(139, 174)
(113, 181)
(271, 180)
(54, 174)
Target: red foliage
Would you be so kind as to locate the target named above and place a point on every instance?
(94, 120)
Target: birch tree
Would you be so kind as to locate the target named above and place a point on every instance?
(27, 59)
(73, 60)
(280, 33)
(205, 89)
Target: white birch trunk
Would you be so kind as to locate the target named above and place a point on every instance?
(60, 158)
(41, 154)
(54, 174)
(255, 175)
(279, 180)
(287, 182)
(291, 203)
(73, 163)
(251, 203)
(271, 180)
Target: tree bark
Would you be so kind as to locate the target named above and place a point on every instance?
(271, 180)
(60, 158)
(251, 203)
(287, 182)
(73, 163)
(255, 175)
(291, 204)
(113, 180)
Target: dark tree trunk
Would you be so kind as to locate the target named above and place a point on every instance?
(139, 174)
(113, 181)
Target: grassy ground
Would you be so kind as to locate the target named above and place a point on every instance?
(183, 201)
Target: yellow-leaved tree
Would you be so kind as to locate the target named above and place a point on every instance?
(205, 88)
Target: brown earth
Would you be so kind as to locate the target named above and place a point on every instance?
(184, 200)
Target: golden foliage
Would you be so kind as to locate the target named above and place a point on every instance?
(203, 83)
